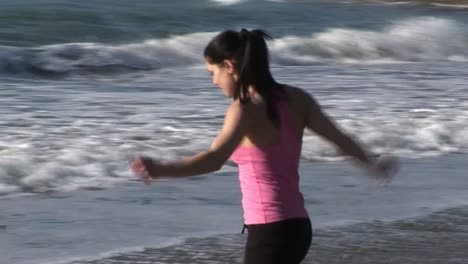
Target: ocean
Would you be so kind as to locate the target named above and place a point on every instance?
(84, 86)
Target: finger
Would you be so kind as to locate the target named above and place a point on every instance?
(147, 181)
(137, 166)
(137, 170)
(143, 173)
(383, 183)
(386, 180)
(144, 176)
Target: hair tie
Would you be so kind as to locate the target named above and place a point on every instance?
(244, 34)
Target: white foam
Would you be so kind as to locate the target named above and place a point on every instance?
(96, 162)
(150, 54)
(418, 2)
(5, 188)
(415, 39)
(112, 253)
(227, 2)
(450, 5)
(86, 132)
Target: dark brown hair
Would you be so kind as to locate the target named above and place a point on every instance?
(249, 52)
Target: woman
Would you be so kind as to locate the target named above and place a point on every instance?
(262, 133)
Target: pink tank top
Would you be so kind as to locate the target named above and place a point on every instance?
(269, 177)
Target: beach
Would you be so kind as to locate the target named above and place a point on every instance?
(84, 87)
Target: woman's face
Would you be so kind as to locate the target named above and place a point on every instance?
(223, 76)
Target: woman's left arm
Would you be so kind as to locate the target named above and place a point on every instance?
(235, 126)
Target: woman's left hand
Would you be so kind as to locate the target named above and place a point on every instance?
(144, 168)
(384, 169)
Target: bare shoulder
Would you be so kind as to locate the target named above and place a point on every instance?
(299, 97)
(240, 112)
(296, 94)
(293, 90)
(237, 107)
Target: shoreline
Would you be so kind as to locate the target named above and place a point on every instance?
(410, 241)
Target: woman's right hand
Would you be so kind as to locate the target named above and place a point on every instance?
(144, 168)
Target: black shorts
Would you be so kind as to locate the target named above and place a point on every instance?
(283, 242)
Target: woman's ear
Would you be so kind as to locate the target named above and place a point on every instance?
(229, 65)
